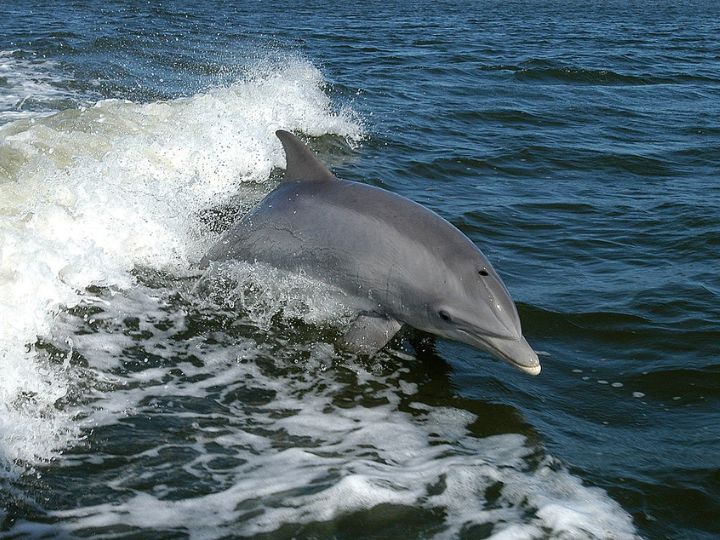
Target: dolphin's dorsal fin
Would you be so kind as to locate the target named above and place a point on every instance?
(301, 162)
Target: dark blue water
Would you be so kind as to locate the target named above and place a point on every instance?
(578, 144)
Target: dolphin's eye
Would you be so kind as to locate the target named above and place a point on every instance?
(483, 272)
(444, 316)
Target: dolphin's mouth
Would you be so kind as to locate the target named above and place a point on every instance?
(515, 351)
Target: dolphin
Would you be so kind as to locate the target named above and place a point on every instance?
(397, 261)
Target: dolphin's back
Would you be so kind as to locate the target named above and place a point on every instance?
(348, 234)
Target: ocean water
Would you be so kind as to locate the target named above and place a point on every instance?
(577, 143)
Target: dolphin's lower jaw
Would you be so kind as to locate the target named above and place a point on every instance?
(515, 351)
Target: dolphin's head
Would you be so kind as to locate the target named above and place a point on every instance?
(474, 307)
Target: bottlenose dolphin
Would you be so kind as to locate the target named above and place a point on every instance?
(397, 262)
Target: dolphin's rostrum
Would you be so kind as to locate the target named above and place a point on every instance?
(398, 262)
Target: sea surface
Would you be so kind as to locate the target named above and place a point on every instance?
(576, 143)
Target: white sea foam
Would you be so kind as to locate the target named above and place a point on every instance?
(29, 87)
(87, 195)
(299, 457)
(263, 292)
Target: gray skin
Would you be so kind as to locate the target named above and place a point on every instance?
(397, 262)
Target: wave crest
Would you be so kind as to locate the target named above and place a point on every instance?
(92, 192)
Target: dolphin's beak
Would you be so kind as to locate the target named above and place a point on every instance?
(515, 351)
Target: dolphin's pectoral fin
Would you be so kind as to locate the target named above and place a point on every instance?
(368, 334)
